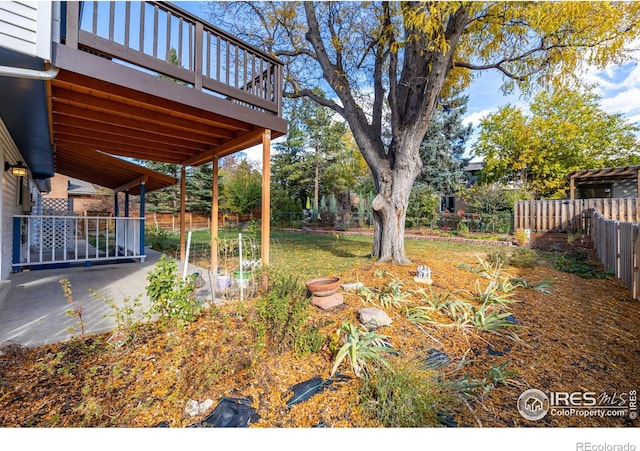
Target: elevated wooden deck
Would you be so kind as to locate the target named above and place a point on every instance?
(148, 80)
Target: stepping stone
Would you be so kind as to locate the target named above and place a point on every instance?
(372, 318)
(327, 302)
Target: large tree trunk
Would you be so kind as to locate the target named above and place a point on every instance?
(394, 182)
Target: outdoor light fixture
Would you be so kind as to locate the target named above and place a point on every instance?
(19, 169)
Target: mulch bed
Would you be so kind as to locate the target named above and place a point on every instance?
(581, 337)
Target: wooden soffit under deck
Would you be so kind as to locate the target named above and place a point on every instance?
(98, 104)
(110, 172)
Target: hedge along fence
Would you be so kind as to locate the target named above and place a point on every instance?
(572, 215)
(617, 244)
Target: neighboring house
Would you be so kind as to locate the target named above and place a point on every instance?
(85, 197)
(603, 183)
(451, 202)
(83, 84)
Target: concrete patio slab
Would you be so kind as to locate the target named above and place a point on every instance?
(35, 310)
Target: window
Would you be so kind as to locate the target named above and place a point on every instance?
(447, 203)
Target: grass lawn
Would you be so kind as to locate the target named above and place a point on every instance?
(310, 255)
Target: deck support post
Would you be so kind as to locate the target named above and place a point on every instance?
(183, 188)
(143, 192)
(266, 201)
(214, 214)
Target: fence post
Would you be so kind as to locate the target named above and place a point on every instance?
(635, 249)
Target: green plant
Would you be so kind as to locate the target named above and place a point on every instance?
(544, 286)
(393, 296)
(523, 257)
(172, 296)
(403, 395)
(76, 310)
(493, 264)
(495, 292)
(434, 299)
(521, 237)
(475, 388)
(580, 265)
(364, 349)
(498, 374)
(253, 228)
(159, 239)
(282, 312)
(419, 314)
(310, 340)
(125, 316)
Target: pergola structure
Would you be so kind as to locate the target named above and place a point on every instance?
(603, 175)
(119, 95)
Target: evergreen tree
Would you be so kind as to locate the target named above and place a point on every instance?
(199, 185)
(289, 171)
(443, 146)
(165, 199)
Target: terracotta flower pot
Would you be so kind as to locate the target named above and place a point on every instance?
(323, 286)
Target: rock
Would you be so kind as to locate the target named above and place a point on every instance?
(195, 408)
(352, 286)
(372, 318)
(327, 302)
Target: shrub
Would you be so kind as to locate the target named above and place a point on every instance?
(423, 204)
(521, 237)
(158, 239)
(282, 312)
(523, 258)
(580, 265)
(170, 295)
(401, 396)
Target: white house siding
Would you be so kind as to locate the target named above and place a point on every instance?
(8, 200)
(26, 27)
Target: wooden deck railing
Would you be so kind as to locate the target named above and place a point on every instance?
(146, 34)
(617, 244)
(572, 215)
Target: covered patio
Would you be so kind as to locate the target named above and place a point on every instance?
(116, 93)
(51, 236)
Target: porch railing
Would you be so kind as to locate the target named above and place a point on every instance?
(164, 39)
(60, 240)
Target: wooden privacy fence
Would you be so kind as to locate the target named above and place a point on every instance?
(618, 248)
(195, 221)
(572, 215)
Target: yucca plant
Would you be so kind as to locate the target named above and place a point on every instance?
(419, 314)
(435, 300)
(362, 347)
(484, 319)
(393, 296)
(496, 292)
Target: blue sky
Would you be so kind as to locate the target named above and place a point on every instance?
(618, 85)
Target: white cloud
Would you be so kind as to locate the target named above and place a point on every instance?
(475, 118)
(626, 101)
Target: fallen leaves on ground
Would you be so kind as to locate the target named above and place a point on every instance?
(580, 337)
